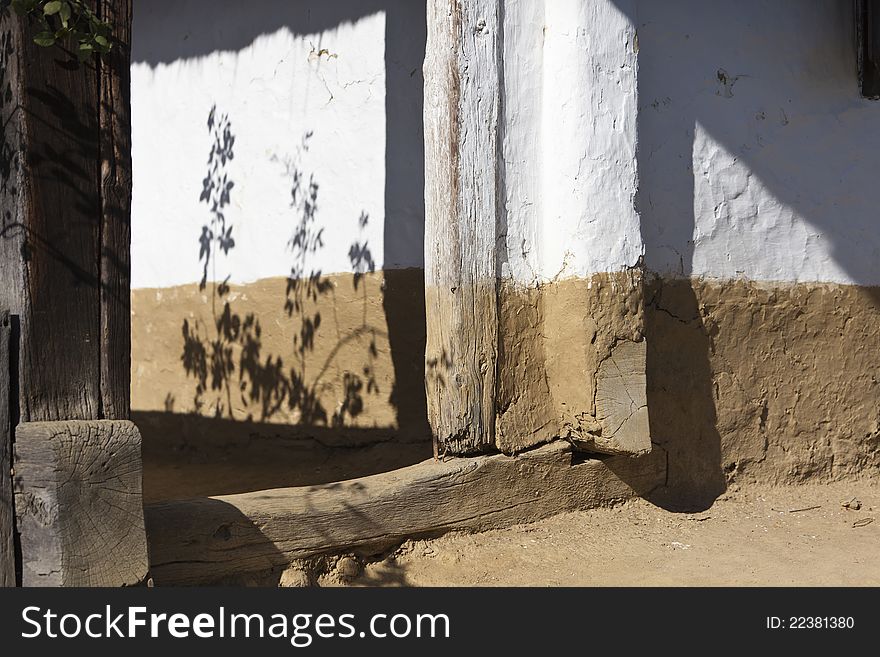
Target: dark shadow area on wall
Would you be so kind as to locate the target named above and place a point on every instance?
(160, 37)
(778, 98)
(405, 38)
(681, 397)
(775, 89)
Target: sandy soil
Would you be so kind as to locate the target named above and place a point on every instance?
(791, 536)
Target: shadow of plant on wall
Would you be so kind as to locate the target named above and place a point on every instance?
(216, 192)
(265, 382)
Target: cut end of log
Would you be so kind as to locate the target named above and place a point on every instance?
(621, 402)
(78, 503)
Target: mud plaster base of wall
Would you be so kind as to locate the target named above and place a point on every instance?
(279, 382)
(769, 383)
(755, 382)
(338, 350)
(572, 364)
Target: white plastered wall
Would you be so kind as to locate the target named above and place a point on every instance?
(758, 158)
(301, 92)
(569, 140)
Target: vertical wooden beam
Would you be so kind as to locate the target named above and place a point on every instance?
(65, 196)
(10, 188)
(462, 103)
(7, 513)
(51, 230)
(115, 153)
(65, 233)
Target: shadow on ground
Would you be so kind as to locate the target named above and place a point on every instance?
(191, 456)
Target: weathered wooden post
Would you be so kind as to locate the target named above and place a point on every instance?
(534, 298)
(7, 516)
(462, 104)
(64, 267)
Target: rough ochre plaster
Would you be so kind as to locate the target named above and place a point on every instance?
(571, 364)
(313, 354)
(767, 383)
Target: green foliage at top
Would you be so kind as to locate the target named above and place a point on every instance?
(67, 20)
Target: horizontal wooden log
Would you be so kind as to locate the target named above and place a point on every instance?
(78, 503)
(221, 539)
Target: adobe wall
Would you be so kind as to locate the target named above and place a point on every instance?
(278, 174)
(758, 211)
(721, 156)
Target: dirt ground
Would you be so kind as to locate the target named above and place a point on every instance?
(793, 536)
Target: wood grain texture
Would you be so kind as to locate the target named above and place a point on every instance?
(621, 401)
(211, 540)
(64, 256)
(115, 153)
(78, 503)
(52, 234)
(11, 161)
(462, 105)
(7, 513)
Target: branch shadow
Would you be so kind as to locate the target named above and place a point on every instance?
(191, 455)
(229, 356)
(209, 351)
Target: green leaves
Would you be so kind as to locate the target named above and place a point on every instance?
(45, 39)
(64, 13)
(71, 20)
(23, 7)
